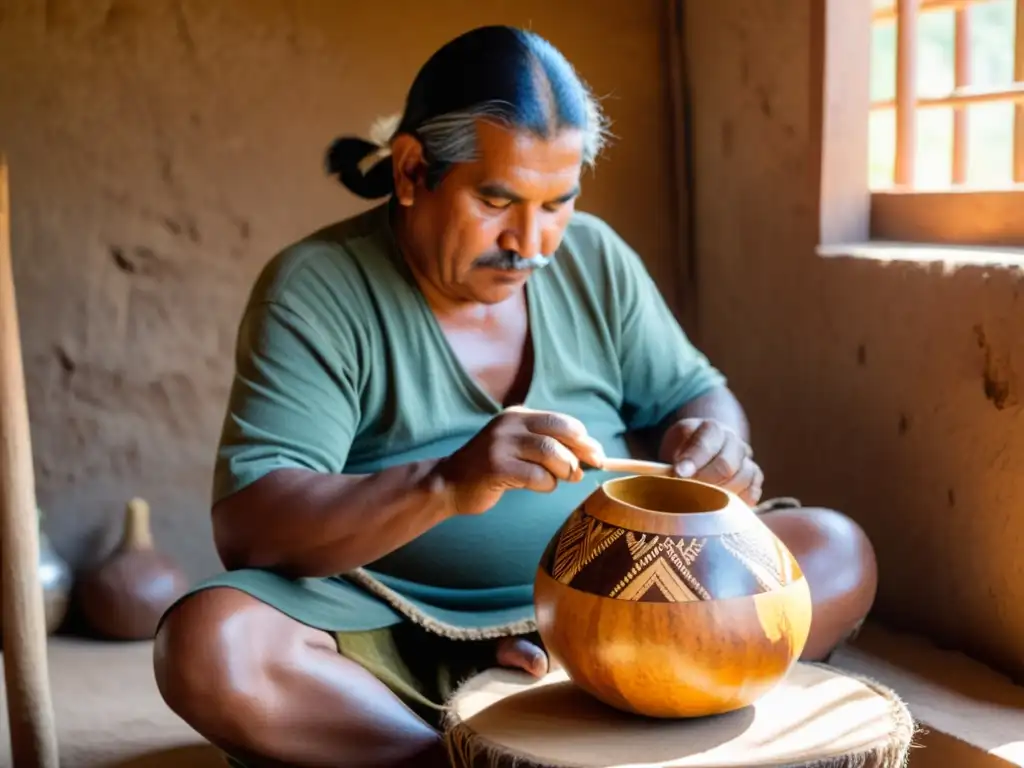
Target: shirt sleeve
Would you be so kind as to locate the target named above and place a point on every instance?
(661, 369)
(294, 400)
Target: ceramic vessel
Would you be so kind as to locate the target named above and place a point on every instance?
(124, 596)
(668, 597)
(56, 579)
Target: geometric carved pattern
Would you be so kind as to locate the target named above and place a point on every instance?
(759, 553)
(583, 539)
(616, 563)
(660, 563)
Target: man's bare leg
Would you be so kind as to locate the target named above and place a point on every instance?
(839, 563)
(274, 692)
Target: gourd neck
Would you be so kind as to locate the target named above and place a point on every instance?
(137, 533)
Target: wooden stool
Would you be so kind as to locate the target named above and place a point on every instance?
(818, 717)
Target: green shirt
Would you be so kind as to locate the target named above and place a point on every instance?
(342, 367)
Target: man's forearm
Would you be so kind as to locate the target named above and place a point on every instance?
(719, 404)
(307, 524)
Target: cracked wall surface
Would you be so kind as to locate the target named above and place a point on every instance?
(162, 151)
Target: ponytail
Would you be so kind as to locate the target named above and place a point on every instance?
(362, 166)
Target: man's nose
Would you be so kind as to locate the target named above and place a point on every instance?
(528, 235)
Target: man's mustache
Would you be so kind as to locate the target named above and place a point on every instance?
(510, 260)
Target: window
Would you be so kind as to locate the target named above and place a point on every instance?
(939, 86)
(944, 95)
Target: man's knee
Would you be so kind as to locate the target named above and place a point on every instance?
(846, 543)
(825, 538)
(211, 663)
(835, 555)
(839, 563)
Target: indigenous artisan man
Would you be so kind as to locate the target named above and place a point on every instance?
(423, 393)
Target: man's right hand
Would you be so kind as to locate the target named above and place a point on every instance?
(518, 449)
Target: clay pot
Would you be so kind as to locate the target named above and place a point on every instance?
(124, 597)
(667, 597)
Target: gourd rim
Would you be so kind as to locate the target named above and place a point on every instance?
(728, 506)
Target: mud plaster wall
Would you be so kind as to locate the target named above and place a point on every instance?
(162, 151)
(891, 391)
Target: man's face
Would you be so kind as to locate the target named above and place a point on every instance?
(480, 234)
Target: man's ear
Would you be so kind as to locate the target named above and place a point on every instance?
(408, 166)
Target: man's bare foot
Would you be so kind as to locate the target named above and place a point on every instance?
(520, 653)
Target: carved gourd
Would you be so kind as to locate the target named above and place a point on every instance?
(670, 598)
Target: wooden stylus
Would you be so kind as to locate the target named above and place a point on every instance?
(638, 467)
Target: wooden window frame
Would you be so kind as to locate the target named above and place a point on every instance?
(852, 213)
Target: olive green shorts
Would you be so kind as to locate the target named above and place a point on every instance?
(422, 669)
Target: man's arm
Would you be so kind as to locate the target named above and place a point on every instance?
(282, 500)
(706, 437)
(721, 405)
(305, 523)
(660, 366)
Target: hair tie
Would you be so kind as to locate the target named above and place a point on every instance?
(381, 132)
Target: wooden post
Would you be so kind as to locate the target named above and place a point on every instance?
(685, 256)
(29, 707)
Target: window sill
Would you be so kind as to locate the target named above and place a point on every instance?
(949, 256)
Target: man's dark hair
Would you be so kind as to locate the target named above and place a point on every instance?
(501, 74)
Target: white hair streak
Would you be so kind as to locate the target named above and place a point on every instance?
(451, 137)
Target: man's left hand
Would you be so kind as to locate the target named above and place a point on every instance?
(710, 451)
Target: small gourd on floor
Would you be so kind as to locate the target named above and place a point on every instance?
(124, 596)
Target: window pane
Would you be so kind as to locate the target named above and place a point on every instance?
(992, 30)
(934, 156)
(882, 148)
(883, 61)
(989, 126)
(935, 53)
(990, 144)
